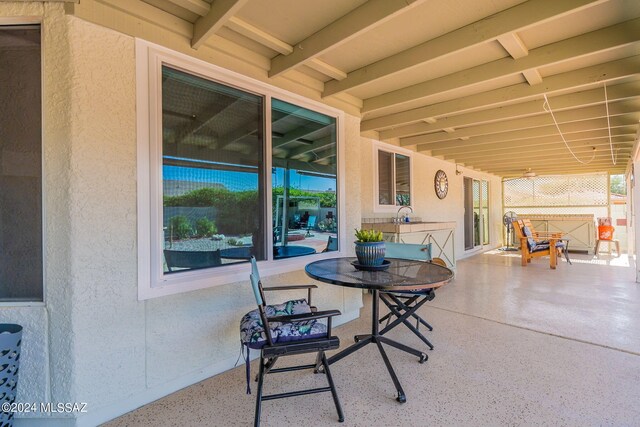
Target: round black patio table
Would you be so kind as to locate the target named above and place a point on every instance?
(401, 276)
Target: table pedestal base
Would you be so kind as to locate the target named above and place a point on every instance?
(378, 340)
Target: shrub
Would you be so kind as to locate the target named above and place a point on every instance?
(180, 227)
(205, 227)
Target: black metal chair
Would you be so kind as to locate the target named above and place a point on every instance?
(403, 305)
(287, 329)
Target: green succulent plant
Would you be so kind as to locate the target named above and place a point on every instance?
(364, 236)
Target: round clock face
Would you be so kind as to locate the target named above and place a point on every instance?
(441, 184)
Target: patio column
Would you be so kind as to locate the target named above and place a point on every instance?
(634, 219)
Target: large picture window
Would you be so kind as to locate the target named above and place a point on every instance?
(212, 173)
(229, 168)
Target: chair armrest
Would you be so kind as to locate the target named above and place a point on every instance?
(326, 314)
(548, 234)
(286, 288)
(293, 287)
(305, 316)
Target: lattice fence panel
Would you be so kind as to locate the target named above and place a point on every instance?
(561, 190)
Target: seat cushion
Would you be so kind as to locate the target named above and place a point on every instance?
(252, 332)
(531, 243)
(540, 246)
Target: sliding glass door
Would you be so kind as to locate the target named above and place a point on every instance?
(476, 213)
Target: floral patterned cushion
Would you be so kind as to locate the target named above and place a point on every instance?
(252, 332)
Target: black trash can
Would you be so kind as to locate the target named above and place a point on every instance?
(10, 340)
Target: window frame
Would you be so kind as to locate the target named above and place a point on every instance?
(392, 149)
(152, 281)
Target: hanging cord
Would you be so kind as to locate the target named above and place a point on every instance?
(606, 103)
(548, 109)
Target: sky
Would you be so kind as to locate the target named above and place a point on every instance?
(240, 181)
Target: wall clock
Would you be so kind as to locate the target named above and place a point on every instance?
(441, 184)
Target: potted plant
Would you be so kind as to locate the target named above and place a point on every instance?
(369, 247)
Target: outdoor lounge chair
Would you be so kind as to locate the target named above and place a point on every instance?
(531, 248)
(403, 305)
(287, 329)
(332, 244)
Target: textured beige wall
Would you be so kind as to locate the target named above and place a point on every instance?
(426, 204)
(106, 347)
(48, 329)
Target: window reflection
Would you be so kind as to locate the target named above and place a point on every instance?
(403, 180)
(212, 173)
(304, 181)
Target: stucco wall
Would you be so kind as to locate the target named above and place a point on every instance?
(107, 348)
(425, 203)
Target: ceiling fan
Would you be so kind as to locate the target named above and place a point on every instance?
(525, 174)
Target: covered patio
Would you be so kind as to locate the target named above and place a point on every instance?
(150, 148)
(512, 346)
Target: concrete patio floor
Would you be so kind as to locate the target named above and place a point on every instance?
(513, 346)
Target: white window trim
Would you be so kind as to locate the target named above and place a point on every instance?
(152, 282)
(381, 146)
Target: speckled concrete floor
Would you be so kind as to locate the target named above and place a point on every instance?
(514, 346)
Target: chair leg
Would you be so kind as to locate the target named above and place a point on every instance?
(268, 366)
(256, 421)
(318, 362)
(334, 393)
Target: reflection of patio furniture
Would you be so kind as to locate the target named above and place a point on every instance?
(311, 224)
(292, 251)
(191, 259)
(239, 252)
(245, 252)
(294, 330)
(332, 244)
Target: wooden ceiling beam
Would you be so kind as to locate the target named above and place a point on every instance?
(562, 117)
(298, 133)
(560, 170)
(524, 109)
(512, 94)
(514, 45)
(588, 136)
(199, 7)
(361, 19)
(542, 131)
(551, 158)
(256, 34)
(590, 43)
(317, 145)
(219, 13)
(506, 149)
(532, 76)
(476, 33)
(508, 152)
(556, 168)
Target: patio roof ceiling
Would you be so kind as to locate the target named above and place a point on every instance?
(460, 79)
